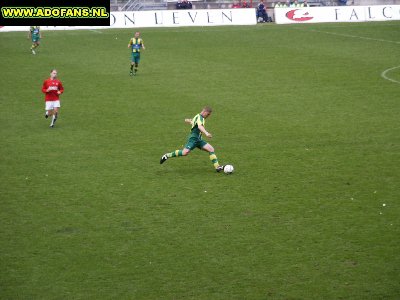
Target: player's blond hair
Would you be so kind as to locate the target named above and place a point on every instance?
(207, 108)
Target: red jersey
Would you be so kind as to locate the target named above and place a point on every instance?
(55, 85)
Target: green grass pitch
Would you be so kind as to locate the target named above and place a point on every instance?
(305, 113)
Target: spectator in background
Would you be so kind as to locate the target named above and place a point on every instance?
(342, 2)
(245, 4)
(305, 4)
(184, 4)
(297, 4)
(235, 5)
(278, 4)
(262, 15)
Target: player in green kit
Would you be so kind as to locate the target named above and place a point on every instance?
(136, 44)
(195, 139)
(35, 35)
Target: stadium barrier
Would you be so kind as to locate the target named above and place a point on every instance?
(165, 18)
(337, 14)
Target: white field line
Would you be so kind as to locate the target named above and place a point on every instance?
(351, 36)
(384, 76)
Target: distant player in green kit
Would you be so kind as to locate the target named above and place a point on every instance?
(195, 139)
(35, 35)
(136, 44)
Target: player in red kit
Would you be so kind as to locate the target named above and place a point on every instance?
(52, 88)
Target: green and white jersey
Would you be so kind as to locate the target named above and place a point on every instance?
(196, 121)
(35, 31)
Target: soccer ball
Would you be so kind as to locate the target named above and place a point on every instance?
(228, 169)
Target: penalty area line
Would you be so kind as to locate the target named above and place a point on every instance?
(384, 76)
(94, 30)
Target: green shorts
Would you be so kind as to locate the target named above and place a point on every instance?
(35, 39)
(136, 57)
(195, 143)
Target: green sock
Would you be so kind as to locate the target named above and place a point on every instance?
(175, 153)
(214, 159)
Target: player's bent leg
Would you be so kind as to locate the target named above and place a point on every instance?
(207, 147)
(55, 116)
(52, 118)
(49, 111)
(175, 153)
(136, 67)
(213, 157)
(131, 71)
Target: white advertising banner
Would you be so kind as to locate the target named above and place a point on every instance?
(165, 18)
(177, 18)
(337, 14)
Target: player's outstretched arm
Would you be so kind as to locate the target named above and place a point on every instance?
(189, 121)
(204, 131)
